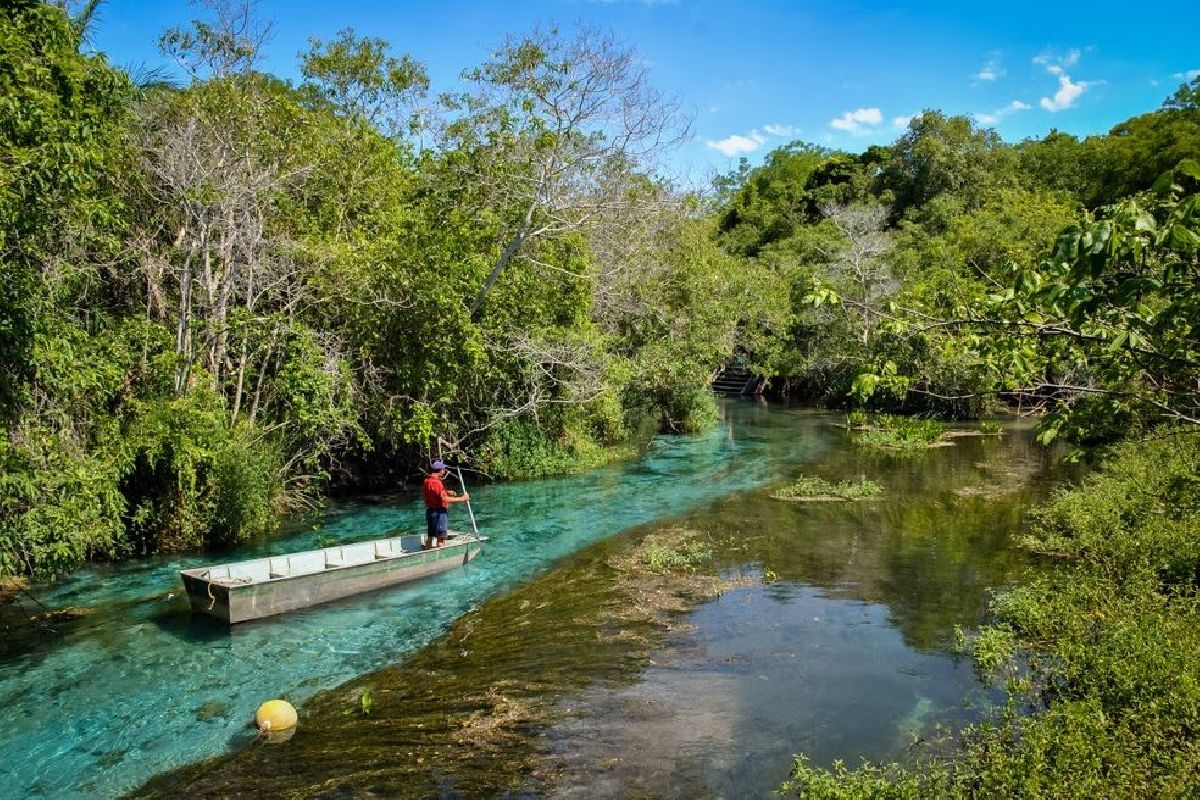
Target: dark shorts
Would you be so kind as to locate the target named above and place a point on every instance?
(436, 522)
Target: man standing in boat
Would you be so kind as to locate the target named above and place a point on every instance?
(437, 504)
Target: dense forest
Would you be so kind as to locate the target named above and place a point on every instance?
(226, 295)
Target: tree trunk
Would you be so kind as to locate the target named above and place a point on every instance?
(505, 257)
(183, 333)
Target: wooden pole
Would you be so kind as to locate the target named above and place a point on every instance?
(463, 484)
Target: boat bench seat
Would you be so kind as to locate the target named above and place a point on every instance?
(388, 548)
(349, 555)
(252, 571)
(296, 564)
(306, 563)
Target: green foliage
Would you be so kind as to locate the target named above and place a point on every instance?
(868, 782)
(972, 221)
(691, 409)
(245, 481)
(524, 448)
(318, 394)
(809, 486)
(1116, 305)
(990, 428)
(58, 506)
(60, 135)
(192, 482)
(772, 201)
(359, 78)
(940, 156)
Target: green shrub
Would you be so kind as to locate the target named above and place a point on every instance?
(521, 448)
(245, 487)
(691, 410)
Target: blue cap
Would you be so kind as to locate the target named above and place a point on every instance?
(439, 465)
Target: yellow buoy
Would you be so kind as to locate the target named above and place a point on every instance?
(274, 716)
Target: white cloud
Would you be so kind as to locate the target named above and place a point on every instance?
(1068, 92)
(1055, 63)
(902, 121)
(857, 120)
(991, 70)
(737, 143)
(992, 117)
(1189, 75)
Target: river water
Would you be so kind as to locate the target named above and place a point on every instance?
(844, 651)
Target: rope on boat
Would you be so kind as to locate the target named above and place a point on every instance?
(212, 598)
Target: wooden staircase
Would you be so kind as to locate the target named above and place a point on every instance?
(735, 379)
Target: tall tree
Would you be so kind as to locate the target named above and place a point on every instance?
(941, 155)
(859, 268)
(554, 131)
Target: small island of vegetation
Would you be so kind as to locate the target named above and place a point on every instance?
(809, 489)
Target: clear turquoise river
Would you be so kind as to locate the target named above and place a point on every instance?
(138, 687)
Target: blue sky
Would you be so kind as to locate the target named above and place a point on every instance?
(756, 75)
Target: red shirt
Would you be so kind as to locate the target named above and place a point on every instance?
(435, 493)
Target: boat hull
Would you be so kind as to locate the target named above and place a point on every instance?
(233, 603)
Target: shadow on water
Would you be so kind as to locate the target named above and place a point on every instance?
(833, 638)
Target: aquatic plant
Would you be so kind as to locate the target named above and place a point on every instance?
(684, 557)
(897, 433)
(807, 487)
(990, 428)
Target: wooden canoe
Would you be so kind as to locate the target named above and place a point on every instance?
(262, 587)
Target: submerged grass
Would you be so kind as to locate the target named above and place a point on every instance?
(812, 489)
(462, 716)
